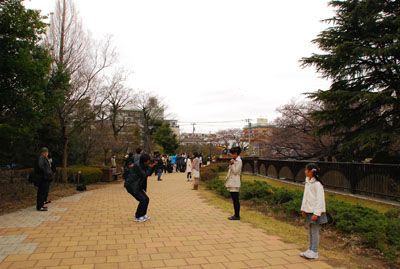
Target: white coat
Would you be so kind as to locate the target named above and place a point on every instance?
(188, 165)
(313, 197)
(233, 178)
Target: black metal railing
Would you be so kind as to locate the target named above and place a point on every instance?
(379, 180)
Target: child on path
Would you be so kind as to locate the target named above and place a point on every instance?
(196, 171)
(313, 209)
(189, 169)
(233, 179)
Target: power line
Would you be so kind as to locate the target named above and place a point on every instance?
(200, 122)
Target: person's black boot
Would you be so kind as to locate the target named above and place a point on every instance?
(234, 218)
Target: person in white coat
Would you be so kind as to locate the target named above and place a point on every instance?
(196, 170)
(189, 169)
(313, 208)
(233, 180)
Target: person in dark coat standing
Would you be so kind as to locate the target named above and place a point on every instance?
(136, 183)
(44, 175)
(54, 170)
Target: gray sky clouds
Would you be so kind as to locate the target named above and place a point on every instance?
(212, 60)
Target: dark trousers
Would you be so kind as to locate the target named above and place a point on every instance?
(236, 203)
(189, 175)
(48, 190)
(43, 191)
(159, 173)
(143, 200)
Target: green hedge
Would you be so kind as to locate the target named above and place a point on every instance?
(89, 175)
(210, 172)
(376, 230)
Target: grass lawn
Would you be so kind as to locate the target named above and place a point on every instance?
(349, 199)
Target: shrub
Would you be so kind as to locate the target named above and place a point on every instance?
(284, 195)
(207, 175)
(393, 213)
(210, 172)
(89, 175)
(292, 207)
(255, 190)
(219, 187)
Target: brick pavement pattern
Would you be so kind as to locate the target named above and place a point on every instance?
(98, 231)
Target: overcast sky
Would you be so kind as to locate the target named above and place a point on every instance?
(212, 60)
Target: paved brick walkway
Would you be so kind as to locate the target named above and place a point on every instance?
(96, 230)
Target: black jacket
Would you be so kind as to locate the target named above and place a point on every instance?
(137, 177)
(42, 169)
(159, 165)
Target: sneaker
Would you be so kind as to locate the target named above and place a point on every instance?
(311, 255)
(141, 219)
(303, 254)
(234, 218)
(146, 217)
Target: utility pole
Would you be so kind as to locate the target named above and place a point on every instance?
(193, 129)
(210, 147)
(249, 122)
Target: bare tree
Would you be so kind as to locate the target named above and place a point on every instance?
(118, 97)
(231, 137)
(294, 135)
(84, 60)
(152, 113)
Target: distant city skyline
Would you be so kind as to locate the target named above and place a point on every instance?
(212, 61)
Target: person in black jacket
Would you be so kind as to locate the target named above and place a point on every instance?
(44, 175)
(136, 184)
(159, 167)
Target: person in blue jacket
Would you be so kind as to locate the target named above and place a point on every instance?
(173, 161)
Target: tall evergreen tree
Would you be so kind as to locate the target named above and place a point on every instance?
(362, 58)
(24, 69)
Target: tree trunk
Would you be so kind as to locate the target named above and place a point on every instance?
(105, 156)
(147, 136)
(64, 175)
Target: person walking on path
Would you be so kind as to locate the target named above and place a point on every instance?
(173, 162)
(313, 209)
(189, 169)
(139, 153)
(201, 159)
(164, 163)
(135, 185)
(196, 171)
(113, 161)
(43, 175)
(233, 180)
(159, 166)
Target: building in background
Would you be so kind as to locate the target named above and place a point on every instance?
(197, 138)
(173, 124)
(258, 135)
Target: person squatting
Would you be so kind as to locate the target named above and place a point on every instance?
(136, 184)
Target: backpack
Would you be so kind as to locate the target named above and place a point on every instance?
(81, 188)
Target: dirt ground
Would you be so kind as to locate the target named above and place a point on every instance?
(10, 203)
